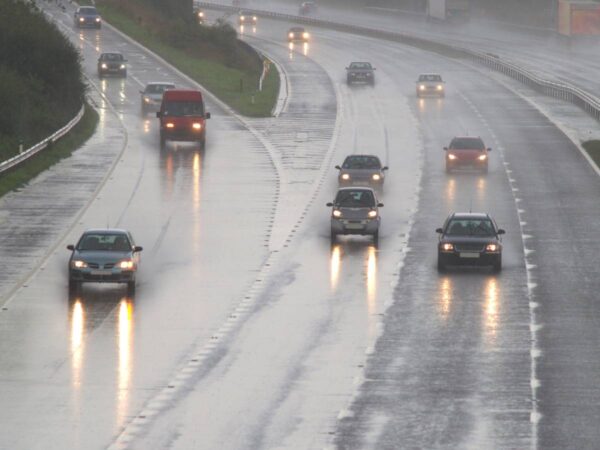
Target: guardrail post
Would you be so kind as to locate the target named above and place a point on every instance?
(20, 146)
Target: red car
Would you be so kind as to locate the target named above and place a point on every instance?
(467, 152)
(182, 116)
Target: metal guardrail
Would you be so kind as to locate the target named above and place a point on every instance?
(560, 90)
(21, 157)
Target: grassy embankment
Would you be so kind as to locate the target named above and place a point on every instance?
(593, 149)
(47, 158)
(211, 55)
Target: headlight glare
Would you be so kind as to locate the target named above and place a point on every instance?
(439, 87)
(197, 126)
(421, 87)
(447, 247)
(170, 125)
(345, 176)
(492, 248)
(104, 66)
(305, 35)
(291, 35)
(376, 177)
(482, 157)
(122, 66)
(451, 156)
(337, 213)
(79, 264)
(372, 214)
(126, 264)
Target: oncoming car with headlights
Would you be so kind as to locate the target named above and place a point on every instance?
(355, 211)
(87, 16)
(104, 256)
(298, 34)
(467, 152)
(470, 239)
(361, 72)
(182, 116)
(247, 19)
(362, 170)
(112, 64)
(151, 96)
(430, 84)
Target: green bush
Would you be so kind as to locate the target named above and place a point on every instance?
(40, 77)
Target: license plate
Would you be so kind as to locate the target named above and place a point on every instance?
(355, 226)
(469, 255)
(100, 272)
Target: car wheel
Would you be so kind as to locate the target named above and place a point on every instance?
(441, 267)
(448, 168)
(333, 237)
(348, 81)
(74, 286)
(376, 239)
(163, 142)
(131, 287)
(497, 266)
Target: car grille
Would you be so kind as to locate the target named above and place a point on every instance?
(464, 247)
(93, 265)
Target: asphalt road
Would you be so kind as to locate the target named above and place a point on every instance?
(248, 330)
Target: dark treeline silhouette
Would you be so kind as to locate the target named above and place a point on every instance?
(41, 87)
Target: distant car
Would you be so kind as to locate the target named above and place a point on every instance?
(151, 96)
(355, 210)
(298, 34)
(112, 64)
(467, 152)
(430, 84)
(87, 16)
(360, 71)
(247, 19)
(104, 256)
(307, 8)
(470, 239)
(362, 170)
(199, 15)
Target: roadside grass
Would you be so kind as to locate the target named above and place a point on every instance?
(63, 148)
(593, 149)
(236, 88)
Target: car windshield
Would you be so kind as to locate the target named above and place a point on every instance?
(89, 10)
(467, 144)
(297, 30)
(357, 198)
(430, 77)
(183, 108)
(360, 65)
(158, 88)
(117, 242)
(111, 57)
(361, 162)
(470, 227)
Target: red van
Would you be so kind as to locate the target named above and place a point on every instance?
(182, 116)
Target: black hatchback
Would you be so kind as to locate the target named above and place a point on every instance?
(470, 239)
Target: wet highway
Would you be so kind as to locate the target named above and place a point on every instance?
(248, 330)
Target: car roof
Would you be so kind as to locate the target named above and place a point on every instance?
(470, 215)
(362, 155)
(356, 188)
(182, 95)
(111, 53)
(106, 231)
(87, 9)
(297, 29)
(160, 83)
(430, 73)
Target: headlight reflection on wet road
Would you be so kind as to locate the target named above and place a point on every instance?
(76, 344)
(491, 309)
(125, 344)
(444, 303)
(335, 264)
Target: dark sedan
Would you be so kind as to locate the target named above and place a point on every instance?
(104, 256)
(470, 239)
(362, 170)
(112, 64)
(87, 16)
(362, 72)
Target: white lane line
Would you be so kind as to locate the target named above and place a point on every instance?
(534, 326)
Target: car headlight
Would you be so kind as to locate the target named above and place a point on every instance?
(97, 19)
(337, 213)
(242, 18)
(345, 176)
(447, 247)
(451, 156)
(482, 157)
(122, 66)
(197, 126)
(104, 66)
(254, 18)
(78, 264)
(492, 248)
(126, 264)
(82, 19)
(291, 35)
(372, 214)
(305, 35)
(439, 87)
(200, 14)
(170, 125)
(147, 99)
(421, 87)
(376, 177)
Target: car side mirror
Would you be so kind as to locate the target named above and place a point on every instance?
(385, 168)
(158, 114)
(137, 248)
(501, 231)
(70, 247)
(380, 205)
(445, 149)
(338, 167)
(207, 115)
(439, 230)
(329, 204)
(489, 149)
